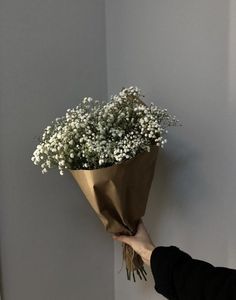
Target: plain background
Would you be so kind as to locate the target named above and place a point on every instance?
(182, 54)
(53, 247)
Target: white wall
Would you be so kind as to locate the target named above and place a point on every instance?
(52, 54)
(182, 54)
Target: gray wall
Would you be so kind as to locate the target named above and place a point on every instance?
(52, 53)
(182, 54)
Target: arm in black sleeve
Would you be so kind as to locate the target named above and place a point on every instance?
(179, 277)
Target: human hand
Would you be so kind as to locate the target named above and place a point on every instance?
(140, 242)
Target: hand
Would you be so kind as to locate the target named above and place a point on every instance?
(140, 242)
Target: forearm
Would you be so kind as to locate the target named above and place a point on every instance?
(178, 276)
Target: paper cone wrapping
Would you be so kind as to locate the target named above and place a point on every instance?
(119, 194)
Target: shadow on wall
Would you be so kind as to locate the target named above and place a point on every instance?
(177, 178)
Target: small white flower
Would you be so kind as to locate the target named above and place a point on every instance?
(102, 133)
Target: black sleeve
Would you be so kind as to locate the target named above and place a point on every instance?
(179, 277)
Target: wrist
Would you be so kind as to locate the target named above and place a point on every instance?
(146, 253)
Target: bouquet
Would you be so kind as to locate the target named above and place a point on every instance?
(110, 148)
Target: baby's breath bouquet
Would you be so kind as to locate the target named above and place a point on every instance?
(110, 148)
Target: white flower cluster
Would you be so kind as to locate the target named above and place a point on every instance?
(98, 134)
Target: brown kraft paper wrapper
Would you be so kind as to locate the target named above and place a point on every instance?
(119, 194)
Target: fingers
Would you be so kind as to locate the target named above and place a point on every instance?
(120, 238)
(123, 238)
(131, 239)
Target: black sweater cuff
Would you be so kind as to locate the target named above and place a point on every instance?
(163, 261)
